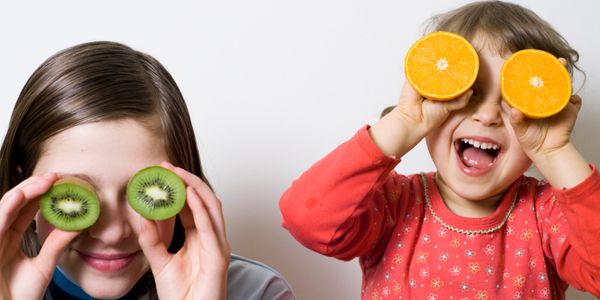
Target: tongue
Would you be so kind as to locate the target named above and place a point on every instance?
(477, 158)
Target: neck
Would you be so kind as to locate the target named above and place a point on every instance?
(467, 207)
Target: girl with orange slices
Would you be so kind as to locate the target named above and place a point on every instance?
(477, 228)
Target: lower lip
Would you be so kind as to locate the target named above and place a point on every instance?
(470, 171)
(108, 265)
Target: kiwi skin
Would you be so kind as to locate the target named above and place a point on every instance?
(168, 193)
(75, 189)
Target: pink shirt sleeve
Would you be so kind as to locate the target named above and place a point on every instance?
(342, 206)
(569, 220)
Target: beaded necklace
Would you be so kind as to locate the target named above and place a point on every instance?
(460, 230)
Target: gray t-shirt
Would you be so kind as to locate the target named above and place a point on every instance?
(252, 280)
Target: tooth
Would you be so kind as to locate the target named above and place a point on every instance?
(495, 147)
(477, 144)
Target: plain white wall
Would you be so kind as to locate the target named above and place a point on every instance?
(272, 86)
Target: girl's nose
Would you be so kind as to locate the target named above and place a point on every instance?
(487, 112)
(112, 226)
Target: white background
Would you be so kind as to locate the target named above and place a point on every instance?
(272, 86)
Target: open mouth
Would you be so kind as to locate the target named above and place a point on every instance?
(477, 156)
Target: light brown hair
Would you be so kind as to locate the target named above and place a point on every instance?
(94, 82)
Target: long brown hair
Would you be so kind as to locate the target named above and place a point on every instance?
(507, 26)
(94, 82)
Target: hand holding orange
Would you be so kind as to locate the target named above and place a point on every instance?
(535, 82)
(441, 65)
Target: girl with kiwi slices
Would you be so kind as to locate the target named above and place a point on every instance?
(99, 112)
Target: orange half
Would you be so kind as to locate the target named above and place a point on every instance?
(441, 65)
(536, 83)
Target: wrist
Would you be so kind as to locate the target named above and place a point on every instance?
(395, 134)
(562, 167)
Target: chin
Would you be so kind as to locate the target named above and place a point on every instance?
(112, 291)
(103, 286)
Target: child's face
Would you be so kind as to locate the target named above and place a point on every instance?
(472, 173)
(105, 260)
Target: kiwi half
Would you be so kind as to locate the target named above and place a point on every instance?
(71, 204)
(156, 193)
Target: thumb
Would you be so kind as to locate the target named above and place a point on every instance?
(53, 248)
(518, 121)
(409, 95)
(152, 245)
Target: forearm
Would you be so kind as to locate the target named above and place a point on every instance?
(564, 167)
(579, 259)
(332, 208)
(394, 135)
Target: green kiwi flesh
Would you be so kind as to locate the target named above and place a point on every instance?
(156, 193)
(70, 204)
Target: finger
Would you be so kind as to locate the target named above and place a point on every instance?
(152, 245)
(215, 209)
(37, 178)
(30, 191)
(13, 214)
(409, 95)
(562, 61)
(202, 220)
(576, 100)
(187, 177)
(53, 248)
(211, 201)
(9, 209)
(27, 181)
(516, 117)
(459, 102)
(26, 216)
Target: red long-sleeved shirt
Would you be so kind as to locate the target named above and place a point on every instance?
(353, 204)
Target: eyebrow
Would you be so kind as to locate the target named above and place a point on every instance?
(81, 176)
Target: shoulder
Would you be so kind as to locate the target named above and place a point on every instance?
(250, 279)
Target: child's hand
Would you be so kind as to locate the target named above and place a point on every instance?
(547, 142)
(199, 269)
(540, 137)
(411, 120)
(424, 114)
(27, 277)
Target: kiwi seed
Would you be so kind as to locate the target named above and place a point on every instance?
(71, 204)
(156, 193)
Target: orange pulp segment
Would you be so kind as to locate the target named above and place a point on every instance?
(535, 82)
(441, 65)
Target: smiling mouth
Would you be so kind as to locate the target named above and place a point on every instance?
(108, 262)
(477, 156)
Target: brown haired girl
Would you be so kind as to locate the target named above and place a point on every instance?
(101, 111)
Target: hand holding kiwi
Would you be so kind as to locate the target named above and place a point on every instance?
(199, 268)
(26, 277)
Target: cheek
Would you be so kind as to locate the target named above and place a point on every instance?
(520, 160)
(439, 140)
